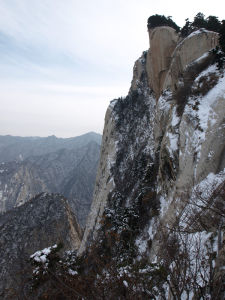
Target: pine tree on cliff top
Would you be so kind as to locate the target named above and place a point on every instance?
(161, 20)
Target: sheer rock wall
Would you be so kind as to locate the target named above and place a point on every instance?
(147, 145)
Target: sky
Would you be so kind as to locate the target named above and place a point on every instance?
(62, 61)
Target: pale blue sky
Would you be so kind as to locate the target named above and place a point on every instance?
(61, 62)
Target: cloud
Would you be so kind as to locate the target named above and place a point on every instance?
(79, 54)
(92, 31)
(45, 109)
(67, 111)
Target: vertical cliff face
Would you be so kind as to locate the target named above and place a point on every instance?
(104, 181)
(19, 181)
(164, 139)
(127, 149)
(163, 41)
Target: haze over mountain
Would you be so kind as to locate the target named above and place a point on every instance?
(18, 148)
(31, 165)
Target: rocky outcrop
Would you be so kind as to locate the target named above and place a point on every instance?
(43, 221)
(163, 41)
(186, 52)
(169, 55)
(19, 181)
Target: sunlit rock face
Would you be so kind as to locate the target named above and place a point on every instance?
(43, 221)
(165, 139)
(163, 41)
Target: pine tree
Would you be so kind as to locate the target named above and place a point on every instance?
(222, 36)
(161, 20)
(199, 21)
(186, 30)
(212, 23)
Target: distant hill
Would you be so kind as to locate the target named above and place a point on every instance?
(19, 148)
(31, 165)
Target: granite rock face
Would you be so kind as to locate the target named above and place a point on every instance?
(164, 140)
(187, 51)
(163, 41)
(44, 221)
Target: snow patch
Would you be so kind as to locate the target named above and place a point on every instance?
(125, 283)
(112, 103)
(199, 31)
(175, 119)
(141, 244)
(173, 141)
(41, 255)
(72, 272)
(163, 103)
(206, 112)
(212, 181)
(210, 69)
(163, 205)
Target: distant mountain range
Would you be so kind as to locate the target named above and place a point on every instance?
(19, 148)
(31, 165)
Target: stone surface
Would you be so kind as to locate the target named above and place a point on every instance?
(103, 183)
(186, 52)
(169, 55)
(163, 41)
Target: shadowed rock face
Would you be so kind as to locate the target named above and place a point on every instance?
(45, 220)
(127, 149)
